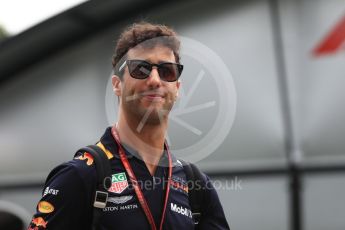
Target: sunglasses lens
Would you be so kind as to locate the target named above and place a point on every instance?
(167, 71)
(139, 69)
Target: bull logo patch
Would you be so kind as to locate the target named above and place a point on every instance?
(39, 222)
(86, 156)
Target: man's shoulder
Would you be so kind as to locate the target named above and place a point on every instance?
(81, 167)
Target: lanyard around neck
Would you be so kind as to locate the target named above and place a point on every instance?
(134, 181)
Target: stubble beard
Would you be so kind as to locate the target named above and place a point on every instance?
(146, 115)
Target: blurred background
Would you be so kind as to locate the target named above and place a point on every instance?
(282, 164)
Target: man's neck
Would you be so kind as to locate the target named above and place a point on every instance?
(148, 141)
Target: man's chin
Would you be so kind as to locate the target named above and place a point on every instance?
(156, 117)
(150, 115)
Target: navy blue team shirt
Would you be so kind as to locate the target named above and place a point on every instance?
(68, 196)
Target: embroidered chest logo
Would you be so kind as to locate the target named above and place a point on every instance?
(119, 200)
(181, 210)
(118, 183)
(179, 184)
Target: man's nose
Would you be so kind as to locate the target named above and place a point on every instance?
(154, 79)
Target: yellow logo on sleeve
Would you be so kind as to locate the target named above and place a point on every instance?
(45, 207)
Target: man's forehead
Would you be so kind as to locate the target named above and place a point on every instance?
(155, 53)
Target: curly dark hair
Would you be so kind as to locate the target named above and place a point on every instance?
(147, 35)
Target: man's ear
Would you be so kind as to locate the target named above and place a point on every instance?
(116, 85)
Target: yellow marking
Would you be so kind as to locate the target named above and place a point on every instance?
(107, 152)
(45, 207)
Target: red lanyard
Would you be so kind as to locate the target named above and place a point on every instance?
(134, 181)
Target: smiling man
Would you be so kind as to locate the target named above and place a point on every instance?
(149, 188)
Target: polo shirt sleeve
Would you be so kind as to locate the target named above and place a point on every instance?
(213, 217)
(66, 198)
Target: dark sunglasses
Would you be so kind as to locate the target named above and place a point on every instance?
(140, 69)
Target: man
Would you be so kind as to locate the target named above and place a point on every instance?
(149, 187)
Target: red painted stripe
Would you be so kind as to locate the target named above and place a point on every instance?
(333, 41)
